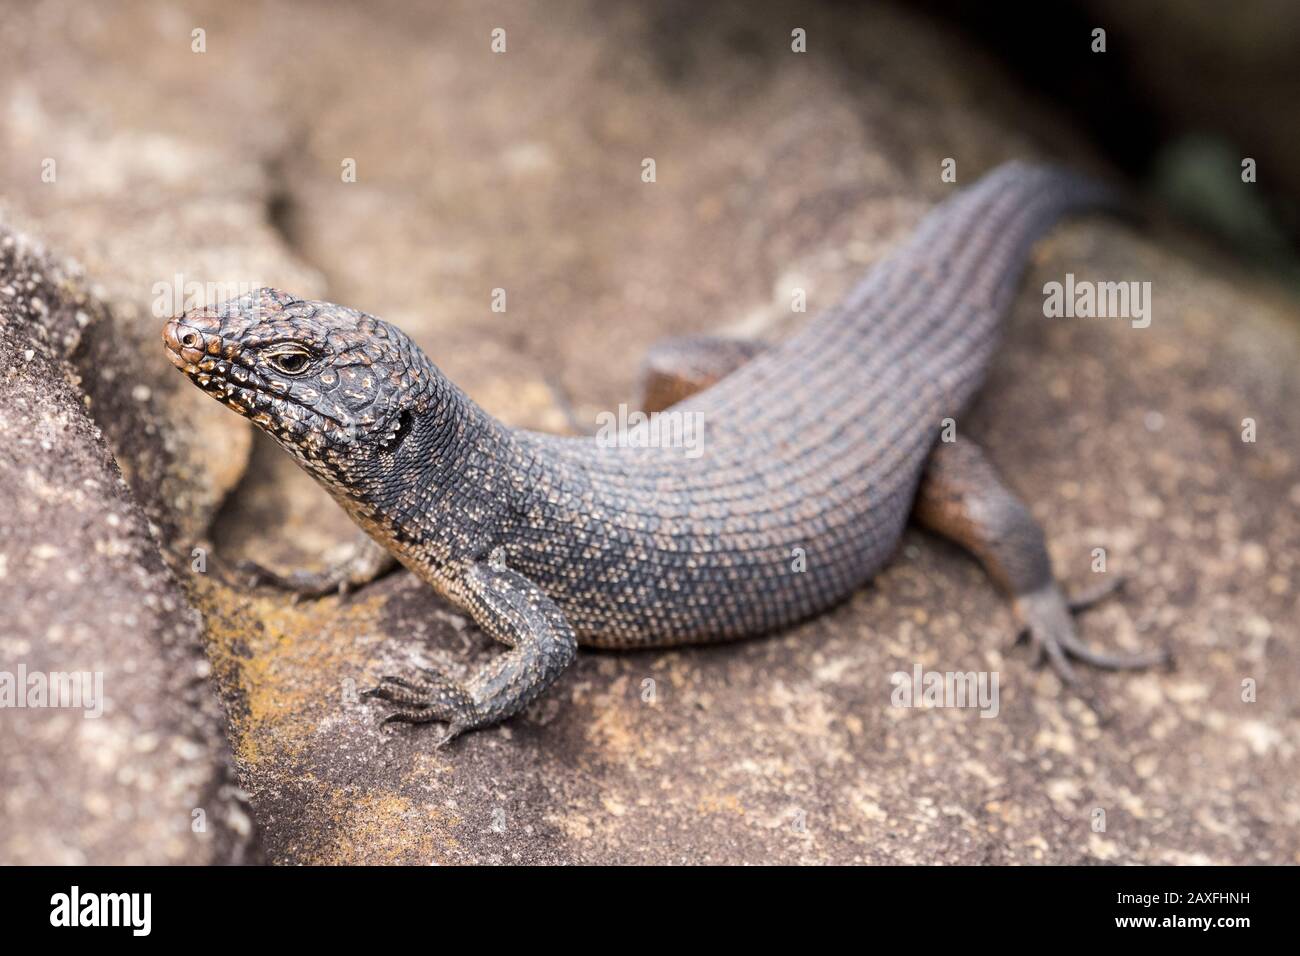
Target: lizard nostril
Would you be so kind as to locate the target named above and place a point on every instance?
(190, 340)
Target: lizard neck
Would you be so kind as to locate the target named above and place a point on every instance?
(433, 496)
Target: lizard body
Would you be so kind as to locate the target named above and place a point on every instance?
(816, 446)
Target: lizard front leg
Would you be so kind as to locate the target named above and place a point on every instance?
(514, 611)
(962, 497)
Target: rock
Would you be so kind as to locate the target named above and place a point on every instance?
(161, 222)
(113, 748)
(775, 171)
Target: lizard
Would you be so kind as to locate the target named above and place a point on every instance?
(823, 444)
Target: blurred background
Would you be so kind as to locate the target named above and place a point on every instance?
(1189, 90)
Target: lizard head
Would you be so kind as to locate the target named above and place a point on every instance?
(329, 383)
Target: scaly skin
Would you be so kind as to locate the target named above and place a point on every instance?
(814, 447)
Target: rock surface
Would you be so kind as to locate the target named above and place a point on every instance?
(113, 748)
(774, 171)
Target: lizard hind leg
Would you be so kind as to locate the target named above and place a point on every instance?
(675, 369)
(963, 498)
(512, 610)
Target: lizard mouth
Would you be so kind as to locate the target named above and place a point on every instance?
(177, 360)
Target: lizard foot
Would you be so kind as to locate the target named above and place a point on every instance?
(1077, 603)
(356, 565)
(432, 697)
(516, 613)
(298, 584)
(1045, 616)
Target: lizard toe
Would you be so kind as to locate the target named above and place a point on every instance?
(433, 696)
(1046, 615)
(410, 715)
(1089, 598)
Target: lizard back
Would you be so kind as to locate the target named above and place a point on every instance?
(809, 456)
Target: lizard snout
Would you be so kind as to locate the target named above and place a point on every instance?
(186, 345)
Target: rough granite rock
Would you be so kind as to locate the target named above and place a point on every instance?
(138, 770)
(775, 171)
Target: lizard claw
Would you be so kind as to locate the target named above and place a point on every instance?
(1045, 617)
(432, 697)
(413, 715)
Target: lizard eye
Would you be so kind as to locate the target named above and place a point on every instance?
(290, 360)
